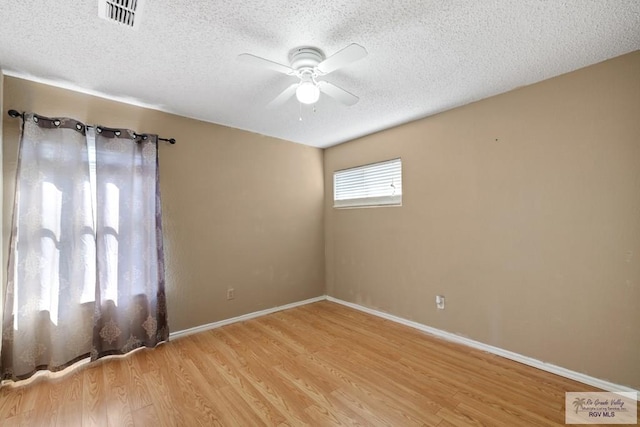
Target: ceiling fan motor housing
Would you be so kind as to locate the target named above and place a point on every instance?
(305, 57)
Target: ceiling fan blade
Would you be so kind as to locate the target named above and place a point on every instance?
(284, 96)
(338, 93)
(265, 63)
(346, 56)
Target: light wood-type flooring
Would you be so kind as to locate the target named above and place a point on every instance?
(318, 364)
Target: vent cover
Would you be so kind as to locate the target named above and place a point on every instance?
(124, 12)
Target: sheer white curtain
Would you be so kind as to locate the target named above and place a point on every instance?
(74, 290)
(52, 270)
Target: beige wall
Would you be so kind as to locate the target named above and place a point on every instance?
(523, 210)
(2, 248)
(240, 210)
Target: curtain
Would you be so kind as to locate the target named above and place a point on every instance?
(86, 270)
(130, 299)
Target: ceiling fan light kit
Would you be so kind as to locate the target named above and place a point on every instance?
(308, 92)
(308, 64)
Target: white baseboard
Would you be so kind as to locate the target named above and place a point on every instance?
(548, 367)
(566, 373)
(208, 326)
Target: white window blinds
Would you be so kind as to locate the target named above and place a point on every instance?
(377, 184)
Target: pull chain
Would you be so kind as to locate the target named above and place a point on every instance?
(300, 110)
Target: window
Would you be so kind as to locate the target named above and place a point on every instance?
(377, 184)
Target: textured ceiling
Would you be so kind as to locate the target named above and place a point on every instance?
(424, 56)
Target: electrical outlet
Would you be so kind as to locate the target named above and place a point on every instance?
(440, 302)
(231, 293)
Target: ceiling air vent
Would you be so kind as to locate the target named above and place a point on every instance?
(125, 12)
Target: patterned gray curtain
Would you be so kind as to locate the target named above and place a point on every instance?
(130, 307)
(86, 269)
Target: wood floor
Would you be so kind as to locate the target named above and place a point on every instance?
(319, 364)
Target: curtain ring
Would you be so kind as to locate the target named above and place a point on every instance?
(99, 129)
(35, 119)
(117, 133)
(56, 122)
(78, 126)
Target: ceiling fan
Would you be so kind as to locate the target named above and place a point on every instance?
(309, 64)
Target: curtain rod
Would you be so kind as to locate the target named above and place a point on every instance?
(15, 114)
